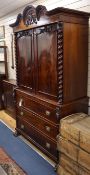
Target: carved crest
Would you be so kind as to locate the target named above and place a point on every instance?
(30, 15)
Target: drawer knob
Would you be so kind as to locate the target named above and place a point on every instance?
(21, 113)
(22, 126)
(48, 128)
(48, 145)
(20, 102)
(3, 97)
(48, 113)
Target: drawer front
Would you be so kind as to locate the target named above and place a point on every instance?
(38, 139)
(38, 108)
(42, 125)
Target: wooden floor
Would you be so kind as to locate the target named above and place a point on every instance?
(7, 119)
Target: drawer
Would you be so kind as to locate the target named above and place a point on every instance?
(44, 143)
(40, 124)
(39, 108)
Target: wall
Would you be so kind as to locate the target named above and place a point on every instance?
(83, 5)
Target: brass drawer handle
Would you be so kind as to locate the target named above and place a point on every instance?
(3, 97)
(21, 113)
(48, 113)
(20, 102)
(48, 145)
(22, 126)
(48, 128)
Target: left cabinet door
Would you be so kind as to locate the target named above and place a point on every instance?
(25, 59)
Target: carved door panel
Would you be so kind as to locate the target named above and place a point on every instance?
(46, 44)
(25, 60)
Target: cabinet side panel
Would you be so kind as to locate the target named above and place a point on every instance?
(75, 61)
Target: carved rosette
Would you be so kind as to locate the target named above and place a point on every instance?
(23, 33)
(60, 63)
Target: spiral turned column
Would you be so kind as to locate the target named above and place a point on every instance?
(16, 60)
(60, 68)
(60, 64)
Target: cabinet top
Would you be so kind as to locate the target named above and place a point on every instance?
(33, 17)
(10, 81)
(68, 11)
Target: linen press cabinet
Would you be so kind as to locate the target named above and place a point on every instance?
(51, 50)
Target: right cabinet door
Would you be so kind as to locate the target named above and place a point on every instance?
(46, 49)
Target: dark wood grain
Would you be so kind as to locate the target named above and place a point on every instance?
(47, 64)
(39, 122)
(75, 62)
(51, 69)
(40, 108)
(47, 145)
(25, 60)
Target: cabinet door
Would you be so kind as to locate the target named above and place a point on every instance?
(25, 61)
(46, 44)
(9, 105)
(2, 77)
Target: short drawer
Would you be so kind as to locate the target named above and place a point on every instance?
(39, 123)
(37, 107)
(40, 140)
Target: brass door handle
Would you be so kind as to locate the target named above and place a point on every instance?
(20, 102)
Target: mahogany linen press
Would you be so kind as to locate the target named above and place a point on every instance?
(51, 50)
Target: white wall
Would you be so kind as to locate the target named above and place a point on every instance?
(83, 5)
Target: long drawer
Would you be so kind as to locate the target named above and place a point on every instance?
(37, 122)
(47, 145)
(37, 107)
